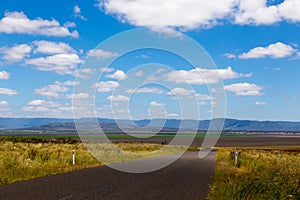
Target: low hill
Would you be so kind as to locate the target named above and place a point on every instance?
(56, 124)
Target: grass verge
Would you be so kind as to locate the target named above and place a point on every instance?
(263, 174)
(21, 160)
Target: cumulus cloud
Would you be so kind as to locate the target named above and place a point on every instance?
(180, 92)
(259, 13)
(77, 12)
(256, 12)
(119, 75)
(7, 91)
(277, 50)
(4, 108)
(167, 33)
(139, 73)
(4, 75)
(229, 55)
(289, 10)
(48, 47)
(203, 76)
(101, 54)
(78, 96)
(44, 107)
(165, 13)
(188, 15)
(118, 98)
(106, 69)
(260, 103)
(151, 90)
(71, 83)
(154, 103)
(55, 90)
(203, 97)
(244, 89)
(107, 86)
(18, 22)
(60, 63)
(15, 53)
(3, 103)
(172, 115)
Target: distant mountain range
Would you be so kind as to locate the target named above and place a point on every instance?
(57, 124)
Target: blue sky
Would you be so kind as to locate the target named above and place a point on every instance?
(254, 44)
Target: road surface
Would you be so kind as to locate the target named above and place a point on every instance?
(187, 178)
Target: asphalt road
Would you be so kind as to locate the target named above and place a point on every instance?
(187, 178)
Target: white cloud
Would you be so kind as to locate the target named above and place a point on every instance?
(229, 55)
(70, 24)
(165, 13)
(48, 47)
(4, 75)
(101, 54)
(71, 83)
(260, 103)
(151, 78)
(78, 96)
(118, 98)
(59, 63)
(53, 90)
(106, 69)
(277, 50)
(277, 69)
(4, 108)
(85, 72)
(3, 103)
(7, 91)
(77, 12)
(202, 76)
(289, 10)
(18, 22)
(194, 14)
(167, 32)
(180, 92)
(36, 102)
(145, 90)
(244, 89)
(202, 103)
(139, 73)
(107, 86)
(257, 12)
(172, 115)
(119, 75)
(203, 97)
(213, 103)
(154, 103)
(40, 105)
(15, 53)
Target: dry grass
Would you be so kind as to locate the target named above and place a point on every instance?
(263, 174)
(23, 161)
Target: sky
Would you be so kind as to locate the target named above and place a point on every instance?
(45, 47)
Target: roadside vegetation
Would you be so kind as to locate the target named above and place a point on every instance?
(260, 174)
(27, 158)
(23, 161)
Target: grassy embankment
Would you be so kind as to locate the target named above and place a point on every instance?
(27, 159)
(262, 174)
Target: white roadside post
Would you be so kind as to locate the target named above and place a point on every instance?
(73, 155)
(236, 157)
